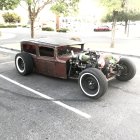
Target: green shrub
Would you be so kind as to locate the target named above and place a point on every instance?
(47, 29)
(24, 26)
(7, 26)
(64, 30)
(11, 17)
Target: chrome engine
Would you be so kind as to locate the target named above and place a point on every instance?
(91, 59)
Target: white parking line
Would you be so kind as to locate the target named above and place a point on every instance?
(6, 62)
(85, 115)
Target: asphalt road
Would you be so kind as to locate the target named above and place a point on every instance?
(61, 111)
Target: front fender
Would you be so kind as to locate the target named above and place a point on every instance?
(107, 57)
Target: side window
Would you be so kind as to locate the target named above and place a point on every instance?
(45, 51)
(30, 49)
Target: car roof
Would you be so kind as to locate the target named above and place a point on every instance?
(53, 41)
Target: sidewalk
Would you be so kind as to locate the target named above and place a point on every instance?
(7, 36)
(123, 45)
(130, 50)
(125, 50)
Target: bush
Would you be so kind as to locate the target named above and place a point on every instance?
(11, 17)
(7, 26)
(64, 30)
(24, 26)
(47, 29)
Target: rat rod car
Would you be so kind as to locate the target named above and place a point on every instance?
(67, 59)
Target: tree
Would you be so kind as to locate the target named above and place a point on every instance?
(126, 10)
(121, 16)
(8, 4)
(114, 6)
(34, 8)
(64, 7)
(11, 17)
(126, 16)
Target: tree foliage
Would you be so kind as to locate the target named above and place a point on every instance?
(125, 11)
(123, 16)
(11, 18)
(8, 4)
(34, 8)
(65, 7)
(113, 5)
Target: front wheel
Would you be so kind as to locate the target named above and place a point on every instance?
(127, 70)
(24, 63)
(93, 83)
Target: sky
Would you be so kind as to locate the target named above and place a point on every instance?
(87, 8)
(134, 3)
(90, 7)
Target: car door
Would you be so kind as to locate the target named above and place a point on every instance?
(45, 61)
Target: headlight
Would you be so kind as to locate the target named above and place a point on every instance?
(101, 61)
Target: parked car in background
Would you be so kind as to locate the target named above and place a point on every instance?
(102, 28)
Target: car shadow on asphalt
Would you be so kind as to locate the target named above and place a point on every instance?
(74, 93)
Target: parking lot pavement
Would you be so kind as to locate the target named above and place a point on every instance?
(26, 115)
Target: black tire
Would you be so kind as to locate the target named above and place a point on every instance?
(128, 70)
(24, 63)
(93, 83)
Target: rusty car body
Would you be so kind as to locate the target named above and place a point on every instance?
(65, 58)
(51, 56)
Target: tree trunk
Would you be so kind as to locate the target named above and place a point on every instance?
(32, 28)
(113, 34)
(126, 23)
(32, 17)
(115, 13)
(128, 28)
(57, 23)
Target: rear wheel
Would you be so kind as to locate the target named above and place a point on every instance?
(93, 83)
(24, 63)
(127, 70)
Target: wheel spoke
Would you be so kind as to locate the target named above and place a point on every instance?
(21, 64)
(90, 84)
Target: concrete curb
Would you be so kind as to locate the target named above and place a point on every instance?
(130, 55)
(9, 49)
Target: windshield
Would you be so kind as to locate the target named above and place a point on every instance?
(66, 50)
